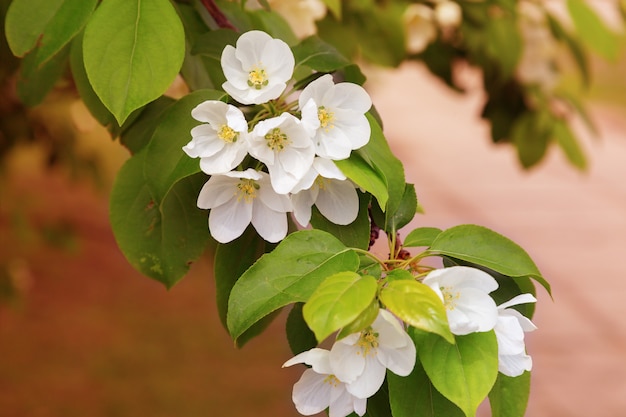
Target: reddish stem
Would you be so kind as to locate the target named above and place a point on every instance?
(220, 19)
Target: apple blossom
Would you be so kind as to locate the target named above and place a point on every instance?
(334, 114)
(419, 26)
(361, 359)
(239, 198)
(465, 294)
(220, 142)
(258, 69)
(319, 389)
(328, 188)
(285, 147)
(510, 328)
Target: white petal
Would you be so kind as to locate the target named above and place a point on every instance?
(278, 60)
(334, 145)
(509, 335)
(228, 221)
(341, 402)
(302, 203)
(327, 168)
(479, 308)
(250, 45)
(400, 361)
(360, 405)
(514, 365)
(462, 277)
(316, 91)
(218, 190)
(271, 225)
(526, 324)
(277, 202)
(316, 357)
(210, 111)
(235, 119)
(311, 394)
(350, 96)
(233, 71)
(310, 119)
(338, 201)
(520, 299)
(346, 361)
(370, 380)
(355, 126)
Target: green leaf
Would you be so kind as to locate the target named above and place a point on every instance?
(212, 43)
(418, 305)
(335, 7)
(319, 55)
(365, 319)
(509, 396)
(137, 132)
(504, 43)
(289, 274)
(465, 372)
(89, 97)
(338, 301)
(231, 261)
(46, 24)
(414, 395)
(399, 274)
(159, 240)
(422, 236)
(593, 30)
(299, 336)
(404, 213)
(365, 176)
(133, 50)
(35, 82)
(353, 235)
(165, 161)
(531, 134)
(273, 24)
(487, 248)
(568, 142)
(575, 48)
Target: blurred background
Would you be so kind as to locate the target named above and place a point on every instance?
(83, 334)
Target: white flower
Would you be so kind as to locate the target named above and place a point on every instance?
(334, 114)
(258, 69)
(419, 26)
(285, 147)
(220, 142)
(326, 187)
(239, 198)
(361, 359)
(319, 389)
(448, 14)
(300, 14)
(465, 294)
(510, 328)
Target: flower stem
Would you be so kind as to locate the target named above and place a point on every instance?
(220, 19)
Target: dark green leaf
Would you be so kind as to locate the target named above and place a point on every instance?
(137, 131)
(404, 213)
(161, 241)
(338, 301)
(273, 24)
(531, 134)
(422, 236)
(35, 81)
(319, 55)
(354, 235)
(504, 44)
(465, 372)
(415, 395)
(417, 305)
(133, 50)
(46, 24)
(487, 248)
(299, 336)
(287, 275)
(509, 396)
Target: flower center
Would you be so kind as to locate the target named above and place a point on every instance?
(331, 380)
(368, 342)
(247, 190)
(257, 78)
(326, 118)
(227, 134)
(276, 139)
(321, 182)
(449, 298)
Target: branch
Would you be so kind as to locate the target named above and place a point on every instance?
(220, 19)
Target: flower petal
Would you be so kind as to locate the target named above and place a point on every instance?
(346, 361)
(509, 335)
(350, 96)
(228, 221)
(370, 380)
(514, 365)
(270, 224)
(311, 394)
(338, 201)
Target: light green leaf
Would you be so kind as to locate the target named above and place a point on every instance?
(568, 142)
(417, 305)
(422, 236)
(337, 302)
(335, 7)
(353, 235)
(365, 176)
(46, 24)
(399, 274)
(531, 134)
(159, 240)
(165, 162)
(415, 395)
(365, 319)
(487, 248)
(133, 50)
(575, 48)
(289, 274)
(464, 372)
(509, 396)
(593, 31)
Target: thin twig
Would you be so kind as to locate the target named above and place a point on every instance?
(220, 19)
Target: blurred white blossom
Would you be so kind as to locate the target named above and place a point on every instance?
(448, 14)
(258, 69)
(419, 27)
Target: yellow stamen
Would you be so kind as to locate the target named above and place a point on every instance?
(227, 134)
(326, 118)
(257, 78)
(331, 380)
(449, 298)
(247, 190)
(276, 139)
(368, 342)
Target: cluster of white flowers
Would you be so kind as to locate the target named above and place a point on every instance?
(465, 294)
(354, 369)
(421, 22)
(297, 153)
